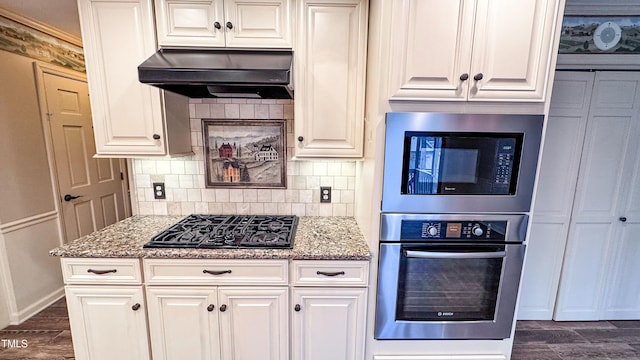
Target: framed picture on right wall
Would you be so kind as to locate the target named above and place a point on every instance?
(600, 35)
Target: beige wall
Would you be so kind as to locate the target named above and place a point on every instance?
(28, 221)
(184, 177)
(25, 181)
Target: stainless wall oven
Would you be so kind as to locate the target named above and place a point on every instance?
(448, 276)
(455, 163)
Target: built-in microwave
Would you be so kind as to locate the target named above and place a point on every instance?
(457, 163)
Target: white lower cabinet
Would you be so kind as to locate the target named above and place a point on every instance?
(329, 309)
(328, 323)
(211, 323)
(107, 322)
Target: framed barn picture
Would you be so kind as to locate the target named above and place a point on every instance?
(244, 153)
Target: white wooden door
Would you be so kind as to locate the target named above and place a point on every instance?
(431, 49)
(190, 23)
(108, 322)
(597, 237)
(259, 23)
(330, 323)
(254, 323)
(127, 115)
(512, 49)
(183, 323)
(90, 189)
(557, 179)
(330, 72)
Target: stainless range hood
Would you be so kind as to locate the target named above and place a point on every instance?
(227, 73)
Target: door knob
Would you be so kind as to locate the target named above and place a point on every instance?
(622, 218)
(297, 307)
(217, 25)
(300, 138)
(135, 307)
(223, 307)
(69, 197)
(478, 77)
(229, 25)
(464, 77)
(210, 307)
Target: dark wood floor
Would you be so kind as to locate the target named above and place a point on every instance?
(48, 338)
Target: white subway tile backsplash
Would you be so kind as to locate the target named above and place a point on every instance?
(184, 177)
(202, 111)
(177, 167)
(194, 195)
(277, 196)
(222, 195)
(235, 195)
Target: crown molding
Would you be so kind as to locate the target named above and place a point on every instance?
(42, 27)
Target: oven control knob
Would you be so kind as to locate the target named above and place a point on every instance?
(477, 230)
(432, 230)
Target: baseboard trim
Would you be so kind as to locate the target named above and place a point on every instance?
(36, 307)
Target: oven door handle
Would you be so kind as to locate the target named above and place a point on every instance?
(453, 255)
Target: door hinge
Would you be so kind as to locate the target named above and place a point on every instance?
(48, 116)
(121, 176)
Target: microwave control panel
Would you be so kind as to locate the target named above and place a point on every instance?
(505, 154)
(453, 230)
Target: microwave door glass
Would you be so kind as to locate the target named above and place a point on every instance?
(460, 164)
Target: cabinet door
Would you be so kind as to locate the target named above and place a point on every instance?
(561, 154)
(329, 77)
(431, 49)
(183, 323)
(254, 323)
(259, 23)
(513, 46)
(127, 115)
(598, 245)
(315, 333)
(108, 322)
(190, 22)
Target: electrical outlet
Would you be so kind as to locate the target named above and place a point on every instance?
(325, 194)
(158, 191)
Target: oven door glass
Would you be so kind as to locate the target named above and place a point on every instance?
(449, 282)
(460, 163)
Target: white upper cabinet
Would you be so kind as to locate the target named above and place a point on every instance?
(129, 118)
(230, 23)
(329, 73)
(472, 50)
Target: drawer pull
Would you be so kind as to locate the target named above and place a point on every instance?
(102, 272)
(216, 272)
(330, 273)
(135, 307)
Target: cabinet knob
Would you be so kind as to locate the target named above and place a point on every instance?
(210, 307)
(217, 25)
(297, 307)
(464, 77)
(223, 307)
(229, 25)
(478, 77)
(135, 307)
(300, 138)
(156, 137)
(622, 218)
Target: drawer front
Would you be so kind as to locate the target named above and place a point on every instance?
(101, 271)
(330, 273)
(215, 272)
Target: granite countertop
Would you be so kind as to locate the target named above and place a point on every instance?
(317, 238)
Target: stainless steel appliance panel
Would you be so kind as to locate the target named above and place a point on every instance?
(529, 128)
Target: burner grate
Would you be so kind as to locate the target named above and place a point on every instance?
(228, 231)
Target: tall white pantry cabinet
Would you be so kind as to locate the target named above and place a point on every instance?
(582, 256)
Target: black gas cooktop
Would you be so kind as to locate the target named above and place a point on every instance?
(228, 231)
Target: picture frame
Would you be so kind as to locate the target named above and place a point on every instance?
(600, 35)
(244, 153)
